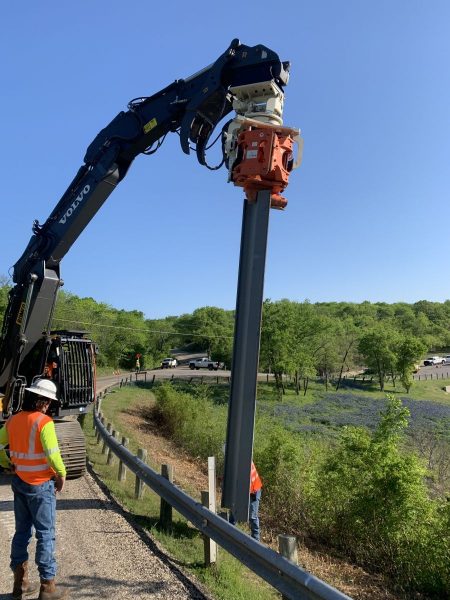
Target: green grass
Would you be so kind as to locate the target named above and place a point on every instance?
(104, 371)
(420, 390)
(228, 579)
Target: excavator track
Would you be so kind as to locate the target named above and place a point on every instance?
(72, 446)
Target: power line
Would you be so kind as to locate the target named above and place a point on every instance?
(143, 330)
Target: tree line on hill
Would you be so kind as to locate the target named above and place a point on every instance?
(299, 339)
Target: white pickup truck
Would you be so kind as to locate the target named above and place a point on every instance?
(169, 363)
(204, 363)
(434, 360)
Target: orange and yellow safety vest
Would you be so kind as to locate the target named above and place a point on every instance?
(255, 480)
(26, 451)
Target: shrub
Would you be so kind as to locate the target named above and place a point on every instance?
(191, 420)
(365, 495)
(370, 499)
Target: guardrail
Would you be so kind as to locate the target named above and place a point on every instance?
(292, 581)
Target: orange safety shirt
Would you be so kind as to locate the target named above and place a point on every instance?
(255, 480)
(25, 446)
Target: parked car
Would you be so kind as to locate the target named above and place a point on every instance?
(169, 363)
(434, 360)
(447, 360)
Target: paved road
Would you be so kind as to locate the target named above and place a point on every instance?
(182, 372)
(437, 370)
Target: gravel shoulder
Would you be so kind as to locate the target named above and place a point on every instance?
(99, 553)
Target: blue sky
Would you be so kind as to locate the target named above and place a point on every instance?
(368, 213)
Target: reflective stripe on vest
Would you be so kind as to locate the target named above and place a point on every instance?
(26, 451)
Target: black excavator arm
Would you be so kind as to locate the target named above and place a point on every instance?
(191, 107)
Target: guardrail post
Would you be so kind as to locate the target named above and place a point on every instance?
(287, 546)
(212, 483)
(209, 501)
(110, 455)
(165, 509)
(210, 547)
(105, 445)
(122, 469)
(139, 486)
(102, 421)
(99, 415)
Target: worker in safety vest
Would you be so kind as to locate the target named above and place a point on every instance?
(255, 497)
(39, 472)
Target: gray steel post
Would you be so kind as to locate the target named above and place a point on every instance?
(244, 370)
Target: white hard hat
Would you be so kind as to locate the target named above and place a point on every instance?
(43, 387)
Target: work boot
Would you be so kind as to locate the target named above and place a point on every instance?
(22, 587)
(49, 591)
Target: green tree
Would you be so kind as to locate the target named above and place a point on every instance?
(409, 350)
(209, 329)
(347, 336)
(278, 344)
(377, 347)
(4, 291)
(162, 336)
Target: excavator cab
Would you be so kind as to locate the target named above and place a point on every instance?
(70, 363)
(68, 359)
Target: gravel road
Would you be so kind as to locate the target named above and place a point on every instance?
(99, 553)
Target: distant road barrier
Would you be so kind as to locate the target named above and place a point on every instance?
(289, 579)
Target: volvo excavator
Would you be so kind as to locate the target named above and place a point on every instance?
(258, 152)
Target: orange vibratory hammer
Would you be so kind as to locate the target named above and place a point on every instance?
(265, 160)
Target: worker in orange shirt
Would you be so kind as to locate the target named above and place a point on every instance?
(255, 497)
(39, 472)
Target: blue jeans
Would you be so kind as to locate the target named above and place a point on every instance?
(34, 506)
(252, 516)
